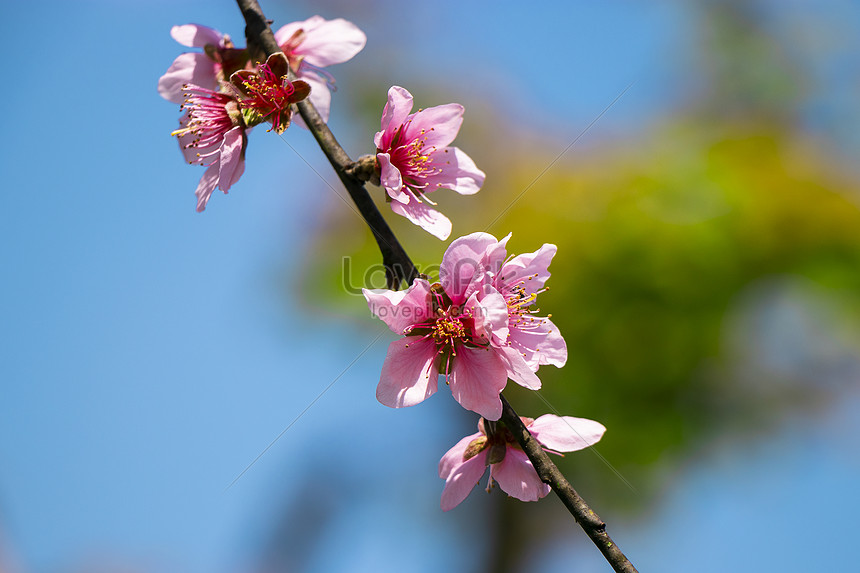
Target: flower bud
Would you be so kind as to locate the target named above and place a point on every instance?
(475, 447)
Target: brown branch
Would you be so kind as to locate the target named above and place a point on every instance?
(399, 267)
(549, 473)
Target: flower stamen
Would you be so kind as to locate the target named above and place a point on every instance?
(269, 92)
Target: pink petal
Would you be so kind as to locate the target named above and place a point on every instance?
(518, 478)
(237, 173)
(566, 434)
(196, 36)
(231, 161)
(409, 375)
(320, 97)
(462, 264)
(206, 186)
(425, 217)
(331, 42)
(438, 125)
(477, 378)
(521, 267)
(454, 457)
(517, 368)
(398, 107)
(490, 314)
(391, 179)
(400, 309)
(459, 173)
(286, 31)
(462, 480)
(187, 68)
(540, 342)
(495, 255)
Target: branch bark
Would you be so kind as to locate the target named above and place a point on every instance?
(399, 267)
(549, 473)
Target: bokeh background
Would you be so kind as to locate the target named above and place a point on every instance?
(695, 163)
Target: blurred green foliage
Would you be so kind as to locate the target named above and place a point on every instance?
(654, 248)
(663, 239)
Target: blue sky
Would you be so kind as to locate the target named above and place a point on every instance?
(148, 355)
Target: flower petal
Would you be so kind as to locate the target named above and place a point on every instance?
(477, 378)
(287, 30)
(425, 217)
(517, 477)
(566, 434)
(462, 265)
(196, 35)
(187, 68)
(391, 179)
(409, 374)
(458, 172)
(540, 342)
(330, 42)
(400, 309)
(396, 109)
(530, 269)
(495, 255)
(454, 457)
(490, 315)
(232, 165)
(437, 126)
(517, 368)
(237, 173)
(462, 480)
(206, 186)
(320, 97)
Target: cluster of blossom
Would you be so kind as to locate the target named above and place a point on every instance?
(476, 326)
(223, 95)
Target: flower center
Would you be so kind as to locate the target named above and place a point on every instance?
(448, 325)
(271, 95)
(448, 329)
(413, 158)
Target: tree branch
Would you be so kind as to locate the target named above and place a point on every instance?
(399, 267)
(549, 473)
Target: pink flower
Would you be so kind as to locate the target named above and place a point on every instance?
(520, 279)
(447, 328)
(314, 44)
(212, 134)
(205, 69)
(463, 465)
(414, 159)
(269, 93)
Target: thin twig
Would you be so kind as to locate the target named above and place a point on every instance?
(398, 265)
(397, 262)
(549, 473)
